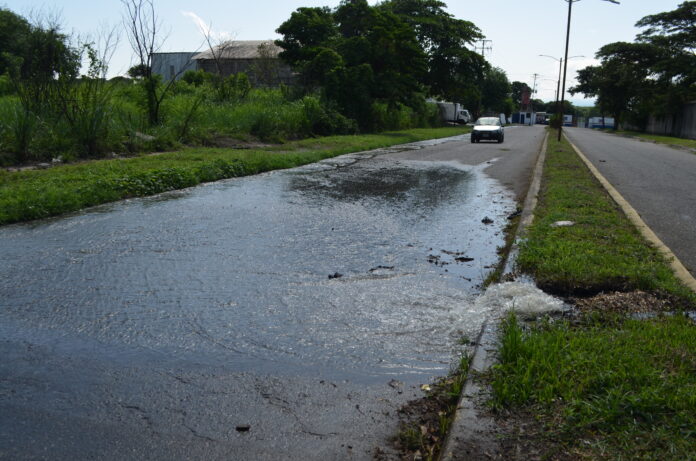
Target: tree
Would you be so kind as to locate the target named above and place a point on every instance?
(307, 33)
(673, 33)
(14, 39)
(496, 89)
(656, 74)
(138, 71)
(142, 28)
(454, 72)
(358, 55)
(518, 90)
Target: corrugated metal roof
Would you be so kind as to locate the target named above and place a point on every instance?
(240, 49)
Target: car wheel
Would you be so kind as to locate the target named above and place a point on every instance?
(473, 140)
(500, 139)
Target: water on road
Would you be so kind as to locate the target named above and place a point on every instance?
(359, 270)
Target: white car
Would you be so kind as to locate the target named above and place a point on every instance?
(488, 128)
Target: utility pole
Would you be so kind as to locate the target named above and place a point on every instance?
(534, 91)
(485, 47)
(565, 63)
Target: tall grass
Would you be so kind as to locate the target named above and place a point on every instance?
(90, 118)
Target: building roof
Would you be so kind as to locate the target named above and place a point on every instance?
(240, 49)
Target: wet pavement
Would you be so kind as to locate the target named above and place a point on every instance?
(286, 315)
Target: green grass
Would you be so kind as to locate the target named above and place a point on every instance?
(33, 194)
(609, 388)
(602, 252)
(668, 140)
(602, 386)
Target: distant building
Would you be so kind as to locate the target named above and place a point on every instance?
(173, 65)
(256, 58)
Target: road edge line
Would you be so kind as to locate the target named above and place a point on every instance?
(677, 267)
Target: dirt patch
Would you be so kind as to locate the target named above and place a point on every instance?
(626, 303)
(232, 143)
(424, 422)
(523, 437)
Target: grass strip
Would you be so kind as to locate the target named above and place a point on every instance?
(667, 140)
(603, 388)
(599, 385)
(602, 251)
(33, 194)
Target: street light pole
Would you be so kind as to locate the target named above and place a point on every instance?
(565, 70)
(560, 75)
(565, 64)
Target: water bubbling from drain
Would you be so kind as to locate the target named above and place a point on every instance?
(521, 297)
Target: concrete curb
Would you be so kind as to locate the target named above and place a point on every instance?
(469, 426)
(469, 435)
(679, 270)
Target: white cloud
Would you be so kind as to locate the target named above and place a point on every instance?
(206, 29)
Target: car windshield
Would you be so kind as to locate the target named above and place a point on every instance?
(491, 121)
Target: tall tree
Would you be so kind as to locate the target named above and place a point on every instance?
(357, 54)
(454, 72)
(495, 91)
(143, 30)
(656, 74)
(518, 90)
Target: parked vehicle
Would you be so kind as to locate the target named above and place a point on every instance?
(453, 112)
(488, 128)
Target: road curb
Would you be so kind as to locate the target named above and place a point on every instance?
(469, 426)
(469, 435)
(679, 270)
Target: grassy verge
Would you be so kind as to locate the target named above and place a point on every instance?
(668, 140)
(602, 251)
(33, 194)
(600, 385)
(602, 388)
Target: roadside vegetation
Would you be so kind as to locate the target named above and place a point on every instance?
(600, 383)
(359, 69)
(39, 193)
(601, 387)
(652, 76)
(601, 251)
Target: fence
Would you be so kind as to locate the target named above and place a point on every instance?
(682, 125)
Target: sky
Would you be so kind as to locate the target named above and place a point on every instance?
(519, 30)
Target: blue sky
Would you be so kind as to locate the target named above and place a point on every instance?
(519, 30)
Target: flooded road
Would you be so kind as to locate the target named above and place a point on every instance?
(285, 315)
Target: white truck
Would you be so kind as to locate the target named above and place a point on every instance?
(453, 112)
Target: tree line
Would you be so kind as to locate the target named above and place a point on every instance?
(360, 68)
(370, 61)
(654, 75)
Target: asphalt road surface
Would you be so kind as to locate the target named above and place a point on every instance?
(657, 180)
(287, 315)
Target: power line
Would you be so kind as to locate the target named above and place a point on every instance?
(484, 47)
